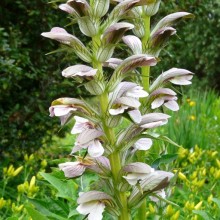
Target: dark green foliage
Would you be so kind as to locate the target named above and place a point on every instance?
(29, 80)
(197, 44)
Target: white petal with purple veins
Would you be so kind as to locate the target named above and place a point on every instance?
(80, 125)
(135, 115)
(60, 110)
(72, 169)
(143, 144)
(95, 149)
(157, 102)
(134, 43)
(79, 70)
(88, 135)
(172, 105)
(136, 92)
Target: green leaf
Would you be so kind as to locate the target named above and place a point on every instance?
(35, 215)
(217, 201)
(203, 214)
(50, 207)
(164, 159)
(66, 189)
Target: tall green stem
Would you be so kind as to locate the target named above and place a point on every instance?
(114, 158)
(145, 72)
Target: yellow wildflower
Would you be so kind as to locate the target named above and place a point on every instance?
(192, 103)
(192, 117)
(198, 206)
(2, 203)
(175, 216)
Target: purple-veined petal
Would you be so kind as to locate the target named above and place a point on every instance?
(172, 105)
(60, 110)
(116, 31)
(135, 115)
(72, 169)
(156, 180)
(79, 70)
(165, 91)
(80, 125)
(135, 61)
(170, 19)
(136, 92)
(157, 102)
(154, 124)
(133, 178)
(118, 111)
(95, 149)
(76, 148)
(67, 8)
(59, 34)
(80, 6)
(134, 43)
(112, 63)
(93, 196)
(138, 167)
(157, 118)
(96, 213)
(182, 80)
(128, 101)
(143, 144)
(88, 135)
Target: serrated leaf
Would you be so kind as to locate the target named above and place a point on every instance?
(35, 215)
(203, 214)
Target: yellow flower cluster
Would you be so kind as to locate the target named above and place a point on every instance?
(11, 171)
(30, 189)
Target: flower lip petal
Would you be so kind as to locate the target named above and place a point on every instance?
(93, 196)
(172, 105)
(143, 144)
(138, 167)
(95, 149)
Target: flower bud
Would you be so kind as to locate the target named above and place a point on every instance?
(198, 206)
(2, 203)
(17, 171)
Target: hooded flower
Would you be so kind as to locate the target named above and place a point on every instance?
(79, 71)
(125, 97)
(166, 97)
(64, 112)
(175, 76)
(153, 120)
(89, 139)
(136, 172)
(143, 144)
(81, 125)
(92, 204)
(60, 35)
(77, 168)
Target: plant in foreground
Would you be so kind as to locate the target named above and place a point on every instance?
(123, 91)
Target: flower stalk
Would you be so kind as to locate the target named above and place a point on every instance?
(115, 154)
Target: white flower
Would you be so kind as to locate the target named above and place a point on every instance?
(92, 204)
(79, 70)
(153, 120)
(60, 35)
(72, 169)
(166, 97)
(137, 172)
(81, 125)
(175, 76)
(161, 193)
(89, 139)
(143, 144)
(62, 111)
(125, 97)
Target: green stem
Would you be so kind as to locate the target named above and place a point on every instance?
(114, 158)
(145, 72)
